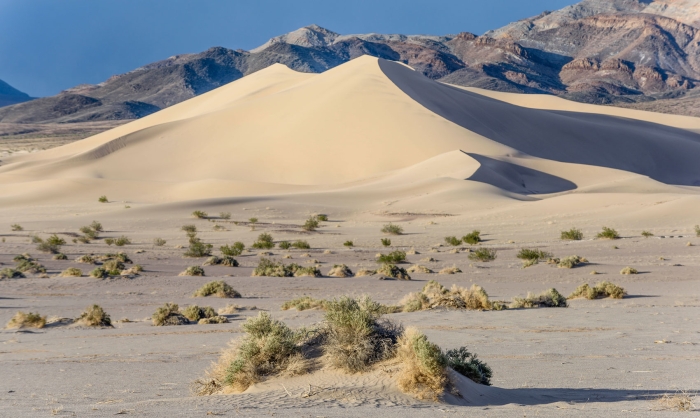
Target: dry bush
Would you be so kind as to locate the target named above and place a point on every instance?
(229, 309)
(197, 248)
(159, 242)
(572, 234)
(120, 256)
(8, 273)
(199, 214)
(213, 320)
(311, 224)
(94, 316)
(72, 272)
(270, 268)
(435, 295)
(284, 245)
(194, 313)
(59, 256)
(51, 245)
(681, 401)
(122, 241)
(697, 230)
(450, 270)
(423, 370)
(85, 259)
(269, 348)
(365, 272)
(601, 290)
(568, 262)
(26, 320)
(392, 229)
(647, 234)
(193, 271)
(16, 227)
(340, 270)
(628, 270)
(299, 271)
(417, 268)
(390, 270)
(608, 233)
(99, 273)
(220, 289)
(547, 299)
(225, 215)
(483, 255)
(412, 251)
(304, 303)
(300, 245)
(113, 267)
(169, 314)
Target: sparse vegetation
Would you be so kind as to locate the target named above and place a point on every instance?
(169, 314)
(264, 242)
(197, 248)
(392, 229)
(393, 271)
(89, 233)
(697, 230)
(365, 272)
(483, 255)
(472, 238)
(8, 273)
(453, 241)
(253, 220)
(322, 217)
(311, 224)
(192, 271)
(213, 320)
(450, 270)
(608, 233)
(386, 242)
(219, 289)
(16, 227)
(423, 366)
(340, 270)
(392, 258)
(122, 241)
(628, 270)
(348, 244)
(72, 272)
(304, 303)
(568, 262)
(109, 241)
(681, 401)
(468, 365)
(99, 273)
(225, 215)
(270, 268)
(601, 290)
(417, 268)
(189, 230)
(102, 199)
(26, 320)
(647, 234)
(572, 234)
(435, 295)
(60, 256)
(26, 264)
(301, 245)
(200, 214)
(229, 309)
(233, 250)
(159, 242)
(194, 313)
(284, 245)
(113, 267)
(85, 259)
(548, 299)
(530, 255)
(94, 316)
(51, 245)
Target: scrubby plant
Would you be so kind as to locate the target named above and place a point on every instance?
(51, 245)
(213, 320)
(85, 259)
(697, 230)
(572, 234)
(109, 241)
(340, 270)
(225, 215)
(322, 217)
(628, 270)
(94, 316)
(284, 245)
(386, 242)
(299, 271)
(601, 290)
(194, 313)
(393, 271)
(311, 224)
(99, 273)
(434, 295)
(72, 272)
(468, 365)
(472, 238)
(528, 254)
(548, 299)
(30, 266)
(304, 303)
(60, 256)
(233, 250)
(270, 268)
(197, 249)
(193, 271)
(229, 309)
(301, 245)
(423, 370)
(450, 270)
(102, 199)
(647, 234)
(392, 229)
(122, 241)
(453, 241)
(348, 244)
(8, 273)
(113, 267)
(168, 314)
(570, 262)
(159, 242)
(608, 233)
(365, 272)
(264, 242)
(392, 258)
(229, 261)
(96, 226)
(189, 229)
(253, 220)
(16, 227)
(483, 254)
(89, 232)
(26, 320)
(120, 256)
(199, 214)
(220, 289)
(417, 268)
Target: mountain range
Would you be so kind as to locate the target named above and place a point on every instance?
(633, 53)
(10, 95)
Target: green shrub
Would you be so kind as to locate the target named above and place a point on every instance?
(72, 272)
(386, 242)
(193, 271)
(113, 267)
(96, 226)
(311, 224)
(122, 241)
(304, 303)
(26, 320)
(99, 273)
(30, 266)
(51, 245)
(220, 289)
(453, 241)
(647, 234)
(321, 217)
(198, 249)
(269, 268)
(194, 313)
(340, 270)
(301, 245)
(391, 270)
(472, 238)
(392, 229)
(8, 273)
(120, 256)
(109, 241)
(299, 271)
(225, 215)
(468, 365)
(569, 262)
(199, 214)
(233, 250)
(601, 290)
(572, 234)
(94, 316)
(285, 245)
(102, 199)
(159, 242)
(253, 220)
(483, 254)
(189, 229)
(264, 242)
(697, 230)
(60, 256)
(392, 258)
(528, 254)
(348, 243)
(16, 227)
(608, 233)
(423, 366)
(169, 314)
(548, 299)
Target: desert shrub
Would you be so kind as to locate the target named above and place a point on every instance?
(26, 320)
(122, 241)
(60, 256)
(301, 245)
(304, 303)
(468, 365)
(647, 234)
(85, 259)
(365, 272)
(22, 257)
(340, 270)
(322, 217)
(94, 316)
(16, 227)
(423, 366)
(354, 338)
(8, 273)
(30, 266)
(269, 268)
(697, 230)
(392, 229)
(434, 295)
(51, 245)
(102, 199)
(572, 234)
(220, 289)
(311, 224)
(194, 313)
(608, 233)
(417, 268)
(253, 220)
(284, 245)
(233, 250)
(199, 214)
(453, 241)
(159, 242)
(548, 299)
(168, 314)
(681, 401)
(450, 270)
(225, 215)
(99, 273)
(113, 267)
(392, 258)
(601, 290)
(391, 270)
(264, 242)
(348, 243)
(109, 241)
(212, 261)
(213, 320)
(299, 271)
(193, 271)
(96, 226)
(570, 262)
(229, 261)
(483, 254)
(72, 272)
(189, 229)
(229, 309)
(119, 256)
(89, 232)
(472, 238)
(197, 249)
(386, 242)
(628, 270)
(528, 254)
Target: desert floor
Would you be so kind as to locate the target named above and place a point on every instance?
(595, 358)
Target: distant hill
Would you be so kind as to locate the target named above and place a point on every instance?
(10, 95)
(632, 53)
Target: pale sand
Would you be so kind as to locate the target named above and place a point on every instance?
(367, 143)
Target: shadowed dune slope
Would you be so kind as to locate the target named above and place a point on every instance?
(664, 153)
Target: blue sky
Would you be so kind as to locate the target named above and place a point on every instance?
(49, 45)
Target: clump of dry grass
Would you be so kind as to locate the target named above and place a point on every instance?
(435, 295)
(601, 290)
(299, 271)
(304, 303)
(340, 270)
(390, 270)
(26, 264)
(85, 259)
(547, 299)
(94, 316)
(392, 229)
(192, 271)
(417, 268)
(270, 268)
(681, 401)
(213, 320)
(365, 272)
(269, 348)
(568, 262)
(169, 314)
(194, 313)
(113, 267)
(220, 289)
(26, 320)
(423, 370)
(229, 309)
(59, 256)
(450, 270)
(72, 272)
(628, 270)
